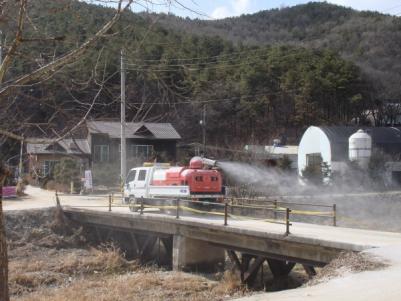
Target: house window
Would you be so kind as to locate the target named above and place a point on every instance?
(48, 167)
(314, 159)
(140, 151)
(101, 153)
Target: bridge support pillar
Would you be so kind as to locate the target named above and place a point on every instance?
(196, 255)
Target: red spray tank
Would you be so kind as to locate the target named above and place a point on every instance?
(199, 176)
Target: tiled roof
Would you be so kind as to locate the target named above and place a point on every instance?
(65, 146)
(138, 130)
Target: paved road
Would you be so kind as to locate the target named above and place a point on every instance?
(375, 285)
(382, 284)
(37, 198)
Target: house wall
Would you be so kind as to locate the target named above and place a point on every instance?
(166, 150)
(313, 141)
(36, 161)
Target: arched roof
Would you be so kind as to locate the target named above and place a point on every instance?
(387, 139)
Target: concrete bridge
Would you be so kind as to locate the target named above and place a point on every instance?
(201, 242)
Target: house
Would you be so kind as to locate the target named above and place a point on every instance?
(280, 151)
(145, 141)
(43, 156)
(274, 152)
(330, 144)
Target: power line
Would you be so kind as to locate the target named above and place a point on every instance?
(207, 57)
(391, 8)
(233, 62)
(216, 57)
(199, 63)
(205, 65)
(217, 99)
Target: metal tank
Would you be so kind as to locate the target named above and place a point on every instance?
(360, 148)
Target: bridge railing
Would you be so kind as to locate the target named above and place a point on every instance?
(230, 209)
(224, 210)
(327, 211)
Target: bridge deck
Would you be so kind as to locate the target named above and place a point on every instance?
(307, 243)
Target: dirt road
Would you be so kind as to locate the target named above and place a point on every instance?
(37, 198)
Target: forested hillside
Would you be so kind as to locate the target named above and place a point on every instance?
(371, 40)
(252, 93)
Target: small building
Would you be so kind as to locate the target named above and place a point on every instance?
(281, 151)
(145, 141)
(274, 152)
(330, 144)
(44, 156)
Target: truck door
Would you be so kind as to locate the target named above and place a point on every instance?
(130, 181)
(140, 183)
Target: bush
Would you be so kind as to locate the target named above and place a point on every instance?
(284, 163)
(67, 171)
(313, 174)
(377, 169)
(317, 174)
(108, 174)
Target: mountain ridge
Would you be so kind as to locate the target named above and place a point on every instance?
(370, 39)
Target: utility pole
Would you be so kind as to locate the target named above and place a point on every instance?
(203, 123)
(123, 141)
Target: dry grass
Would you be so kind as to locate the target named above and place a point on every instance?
(143, 286)
(57, 268)
(229, 284)
(48, 262)
(347, 262)
(106, 260)
(105, 275)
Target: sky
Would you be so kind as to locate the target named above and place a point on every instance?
(218, 9)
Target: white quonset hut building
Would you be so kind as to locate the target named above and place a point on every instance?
(330, 144)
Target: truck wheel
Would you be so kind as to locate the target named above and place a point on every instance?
(133, 204)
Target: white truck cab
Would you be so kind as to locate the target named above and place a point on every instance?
(139, 185)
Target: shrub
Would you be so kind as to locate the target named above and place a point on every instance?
(67, 171)
(284, 163)
(108, 174)
(317, 174)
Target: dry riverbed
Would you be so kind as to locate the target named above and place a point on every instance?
(48, 261)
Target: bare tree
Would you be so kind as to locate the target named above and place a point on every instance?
(3, 243)
(9, 88)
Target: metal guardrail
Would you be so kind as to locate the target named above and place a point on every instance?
(227, 207)
(261, 203)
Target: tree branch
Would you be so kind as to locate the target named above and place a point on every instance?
(66, 59)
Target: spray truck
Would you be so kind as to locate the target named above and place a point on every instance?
(198, 181)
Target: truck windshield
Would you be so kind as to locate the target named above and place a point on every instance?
(131, 176)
